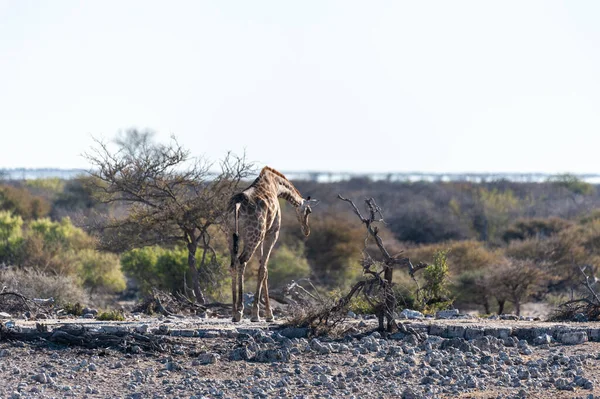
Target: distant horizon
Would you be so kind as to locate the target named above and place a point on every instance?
(465, 172)
(333, 176)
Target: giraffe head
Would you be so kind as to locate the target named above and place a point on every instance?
(303, 211)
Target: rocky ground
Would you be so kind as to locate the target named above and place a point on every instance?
(212, 358)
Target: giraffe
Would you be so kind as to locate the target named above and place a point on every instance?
(256, 220)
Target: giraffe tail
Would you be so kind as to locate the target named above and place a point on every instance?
(236, 234)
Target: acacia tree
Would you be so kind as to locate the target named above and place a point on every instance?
(169, 197)
(515, 280)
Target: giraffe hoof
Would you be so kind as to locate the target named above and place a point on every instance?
(255, 319)
(269, 319)
(236, 318)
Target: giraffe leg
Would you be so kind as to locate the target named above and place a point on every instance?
(249, 247)
(261, 276)
(239, 308)
(270, 241)
(233, 271)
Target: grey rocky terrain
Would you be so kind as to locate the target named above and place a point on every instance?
(213, 358)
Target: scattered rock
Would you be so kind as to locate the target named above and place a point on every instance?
(542, 339)
(411, 314)
(143, 329)
(208, 358)
(455, 332)
(42, 378)
(446, 314)
(90, 311)
(572, 337)
(271, 355)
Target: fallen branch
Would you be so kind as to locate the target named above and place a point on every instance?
(38, 303)
(73, 335)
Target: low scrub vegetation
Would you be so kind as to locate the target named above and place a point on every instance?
(110, 315)
(35, 284)
(504, 243)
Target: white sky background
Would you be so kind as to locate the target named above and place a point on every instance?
(442, 86)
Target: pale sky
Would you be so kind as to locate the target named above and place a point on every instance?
(446, 86)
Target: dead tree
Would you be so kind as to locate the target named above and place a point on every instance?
(379, 281)
(588, 305)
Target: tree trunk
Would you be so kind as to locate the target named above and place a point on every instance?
(486, 306)
(192, 247)
(389, 302)
(517, 307)
(501, 306)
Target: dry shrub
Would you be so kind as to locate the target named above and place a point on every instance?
(536, 227)
(321, 317)
(34, 284)
(462, 255)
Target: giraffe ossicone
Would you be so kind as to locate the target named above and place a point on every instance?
(256, 223)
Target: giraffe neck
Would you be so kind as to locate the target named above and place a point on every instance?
(285, 189)
(288, 192)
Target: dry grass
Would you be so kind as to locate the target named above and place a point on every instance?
(34, 284)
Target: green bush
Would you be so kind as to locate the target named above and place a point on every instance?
(58, 248)
(11, 237)
(156, 267)
(111, 315)
(360, 305)
(75, 309)
(287, 264)
(101, 271)
(435, 294)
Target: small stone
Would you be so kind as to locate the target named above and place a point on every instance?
(318, 347)
(88, 316)
(42, 378)
(4, 315)
(411, 314)
(92, 367)
(173, 366)
(4, 352)
(142, 329)
(542, 339)
(409, 394)
(580, 318)
(91, 311)
(208, 358)
(163, 329)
